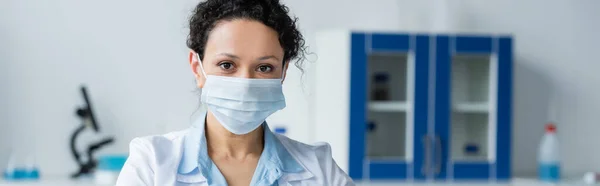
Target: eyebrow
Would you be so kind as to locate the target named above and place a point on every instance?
(261, 58)
(228, 55)
(268, 57)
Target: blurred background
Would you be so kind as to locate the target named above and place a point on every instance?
(132, 57)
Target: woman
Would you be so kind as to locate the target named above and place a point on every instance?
(240, 51)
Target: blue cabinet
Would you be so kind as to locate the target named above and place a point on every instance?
(402, 106)
(388, 105)
(472, 107)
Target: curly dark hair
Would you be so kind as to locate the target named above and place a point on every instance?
(269, 12)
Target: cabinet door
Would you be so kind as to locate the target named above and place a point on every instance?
(472, 127)
(388, 106)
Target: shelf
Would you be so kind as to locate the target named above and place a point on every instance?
(388, 106)
(520, 181)
(386, 159)
(50, 180)
(476, 107)
(472, 159)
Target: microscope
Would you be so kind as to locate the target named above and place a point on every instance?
(88, 121)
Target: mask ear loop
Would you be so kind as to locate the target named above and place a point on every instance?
(201, 67)
(205, 77)
(283, 72)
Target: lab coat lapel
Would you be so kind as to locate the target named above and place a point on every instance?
(194, 177)
(188, 170)
(291, 177)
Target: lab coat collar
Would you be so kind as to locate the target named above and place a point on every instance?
(278, 154)
(275, 161)
(195, 153)
(192, 142)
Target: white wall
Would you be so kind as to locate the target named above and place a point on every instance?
(132, 55)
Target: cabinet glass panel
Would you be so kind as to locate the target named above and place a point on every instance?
(470, 107)
(469, 136)
(387, 139)
(388, 105)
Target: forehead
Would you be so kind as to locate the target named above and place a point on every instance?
(245, 38)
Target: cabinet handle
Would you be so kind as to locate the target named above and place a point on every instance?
(438, 155)
(427, 160)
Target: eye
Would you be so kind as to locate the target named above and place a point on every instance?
(226, 65)
(265, 68)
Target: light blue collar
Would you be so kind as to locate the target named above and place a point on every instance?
(275, 157)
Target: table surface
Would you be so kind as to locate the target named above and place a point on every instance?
(515, 182)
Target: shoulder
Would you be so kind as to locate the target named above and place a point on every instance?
(312, 157)
(159, 141)
(157, 148)
(318, 160)
(320, 150)
(149, 156)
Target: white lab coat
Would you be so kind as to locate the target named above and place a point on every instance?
(154, 160)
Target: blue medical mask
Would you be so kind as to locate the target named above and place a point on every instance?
(241, 104)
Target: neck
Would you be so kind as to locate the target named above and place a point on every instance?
(222, 143)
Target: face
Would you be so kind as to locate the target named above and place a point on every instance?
(240, 48)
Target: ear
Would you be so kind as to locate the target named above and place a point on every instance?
(195, 65)
(287, 64)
